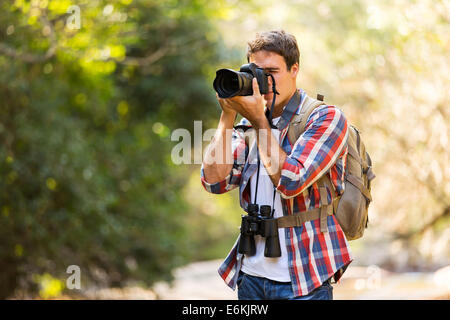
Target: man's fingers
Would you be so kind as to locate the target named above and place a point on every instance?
(228, 104)
(255, 88)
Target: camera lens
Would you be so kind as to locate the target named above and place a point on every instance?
(229, 83)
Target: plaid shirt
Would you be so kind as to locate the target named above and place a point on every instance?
(313, 256)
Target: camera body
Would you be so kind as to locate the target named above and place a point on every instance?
(229, 83)
(259, 222)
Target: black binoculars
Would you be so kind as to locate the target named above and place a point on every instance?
(259, 222)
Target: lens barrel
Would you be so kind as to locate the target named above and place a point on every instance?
(247, 241)
(229, 83)
(272, 248)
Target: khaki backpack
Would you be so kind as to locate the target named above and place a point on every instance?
(350, 208)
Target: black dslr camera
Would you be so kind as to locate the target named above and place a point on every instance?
(229, 83)
(259, 224)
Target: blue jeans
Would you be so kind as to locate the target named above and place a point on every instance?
(257, 288)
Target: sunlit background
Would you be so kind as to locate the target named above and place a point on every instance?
(91, 92)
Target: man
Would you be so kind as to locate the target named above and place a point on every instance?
(291, 169)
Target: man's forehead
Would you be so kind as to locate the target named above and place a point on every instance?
(267, 59)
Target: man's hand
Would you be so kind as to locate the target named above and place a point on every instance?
(225, 108)
(250, 107)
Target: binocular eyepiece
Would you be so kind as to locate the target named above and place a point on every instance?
(259, 224)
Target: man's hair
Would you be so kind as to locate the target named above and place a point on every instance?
(276, 41)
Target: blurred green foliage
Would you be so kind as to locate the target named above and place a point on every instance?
(85, 115)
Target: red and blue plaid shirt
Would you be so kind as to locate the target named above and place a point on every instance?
(313, 256)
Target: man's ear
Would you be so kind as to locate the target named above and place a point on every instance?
(294, 70)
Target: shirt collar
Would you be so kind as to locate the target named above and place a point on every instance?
(290, 109)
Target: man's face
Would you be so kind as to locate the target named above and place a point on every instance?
(285, 80)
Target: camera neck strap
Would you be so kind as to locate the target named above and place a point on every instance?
(275, 92)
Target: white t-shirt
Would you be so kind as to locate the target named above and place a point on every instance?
(259, 265)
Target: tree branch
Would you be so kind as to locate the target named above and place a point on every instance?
(404, 236)
(33, 57)
(164, 50)
(148, 60)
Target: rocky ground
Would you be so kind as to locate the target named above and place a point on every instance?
(200, 281)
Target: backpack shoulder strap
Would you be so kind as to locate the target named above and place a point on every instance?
(296, 129)
(298, 123)
(308, 107)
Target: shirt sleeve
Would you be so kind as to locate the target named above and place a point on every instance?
(239, 151)
(315, 151)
